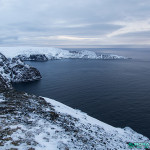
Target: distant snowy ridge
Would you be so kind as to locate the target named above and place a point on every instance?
(54, 53)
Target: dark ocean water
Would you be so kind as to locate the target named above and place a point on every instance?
(116, 92)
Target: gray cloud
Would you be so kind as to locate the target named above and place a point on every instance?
(77, 22)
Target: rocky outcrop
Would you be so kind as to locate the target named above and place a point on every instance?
(5, 69)
(4, 84)
(33, 57)
(21, 73)
(38, 57)
(15, 70)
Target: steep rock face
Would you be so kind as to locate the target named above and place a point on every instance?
(15, 70)
(21, 73)
(4, 73)
(33, 57)
(5, 69)
(3, 60)
(4, 84)
(38, 57)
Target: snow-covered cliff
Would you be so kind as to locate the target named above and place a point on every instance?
(15, 70)
(30, 53)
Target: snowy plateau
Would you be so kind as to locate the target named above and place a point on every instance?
(53, 53)
(29, 122)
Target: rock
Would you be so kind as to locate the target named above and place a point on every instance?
(4, 85)
(4, 64)
(33, 57)
(3, 59)
(21, 73)
(15, 70)
(38, 57)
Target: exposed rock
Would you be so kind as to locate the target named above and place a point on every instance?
(4, 85)
(15, 70)
(21, 73)
(38, 57)
(33, 57)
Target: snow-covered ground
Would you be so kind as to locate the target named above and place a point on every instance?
(54, 53)
(45, 124)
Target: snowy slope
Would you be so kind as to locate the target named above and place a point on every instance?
(38, 123)
(54, 53)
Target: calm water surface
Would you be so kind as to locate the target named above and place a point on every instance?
(116, 92)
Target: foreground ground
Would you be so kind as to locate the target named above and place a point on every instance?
(28, 122)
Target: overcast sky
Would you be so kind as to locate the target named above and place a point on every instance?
(74, 22)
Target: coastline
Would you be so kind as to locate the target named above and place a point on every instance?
(33, 122)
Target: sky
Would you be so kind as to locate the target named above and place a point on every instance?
(74, 22)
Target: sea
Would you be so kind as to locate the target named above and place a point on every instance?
(116, 92)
